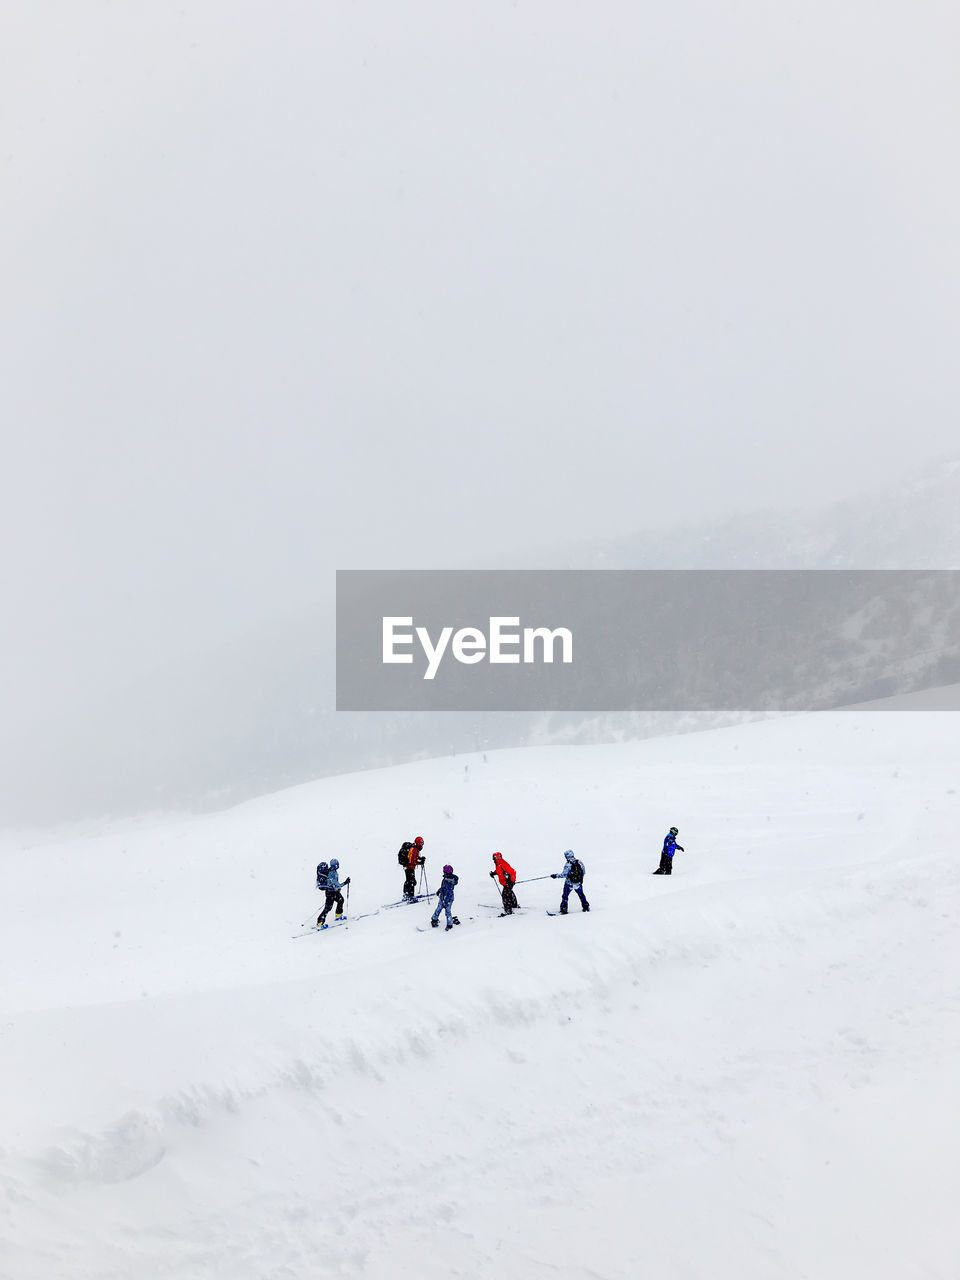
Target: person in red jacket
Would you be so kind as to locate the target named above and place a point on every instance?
(508, 878)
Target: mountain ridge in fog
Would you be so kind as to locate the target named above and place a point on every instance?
(915, 525)
(255, 714)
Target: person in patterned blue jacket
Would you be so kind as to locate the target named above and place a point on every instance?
(331, 885)
(572, 874)
(670, 847)
(445, 898)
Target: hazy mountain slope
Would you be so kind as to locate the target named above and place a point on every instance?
(257, 714)
(914, 526)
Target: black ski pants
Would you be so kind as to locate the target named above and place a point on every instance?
(666, 865)
(508, 896)
(333, 896)
(410, 882)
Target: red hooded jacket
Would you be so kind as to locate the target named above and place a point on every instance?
(502, 869)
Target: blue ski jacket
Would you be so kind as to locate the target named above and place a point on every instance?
(670, 846)
(447, 886)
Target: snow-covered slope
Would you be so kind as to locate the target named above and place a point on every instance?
(748, 1070)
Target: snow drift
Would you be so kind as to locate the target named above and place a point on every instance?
(749, 1069)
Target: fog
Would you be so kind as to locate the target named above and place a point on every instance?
(300, 287)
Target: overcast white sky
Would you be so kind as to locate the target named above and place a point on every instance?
(295, 286)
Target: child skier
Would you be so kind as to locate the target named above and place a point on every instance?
(445, 898)
(508, 878)
(331, 886)
(573, 874)
(670, 847)
(410, 857)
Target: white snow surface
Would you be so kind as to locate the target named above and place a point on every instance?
(750, 1069)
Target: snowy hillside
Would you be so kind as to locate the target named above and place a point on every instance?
(747, 1070)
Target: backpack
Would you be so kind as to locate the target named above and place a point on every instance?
(403, 855)
(575, 874)
(322, 870)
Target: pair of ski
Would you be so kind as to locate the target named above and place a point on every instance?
(315, 928)
(490, 906)
(387, 906)
(522, 910)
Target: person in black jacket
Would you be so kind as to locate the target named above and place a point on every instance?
(410, 857)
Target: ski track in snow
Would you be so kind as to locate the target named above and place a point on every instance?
(747, 1069)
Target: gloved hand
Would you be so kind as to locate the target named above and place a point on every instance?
(492, 874)
(555, 875)
(347, 881)
(681, 848)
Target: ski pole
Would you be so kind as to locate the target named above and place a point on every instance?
(530, 879)
(346, 923)
(311, 920)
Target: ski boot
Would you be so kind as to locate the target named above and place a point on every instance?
(455, 920)
(434, 923)
(447, 928)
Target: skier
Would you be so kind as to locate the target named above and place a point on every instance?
(331, 886)
(508, 878)
(572, 874)
(670, 847)
(410, 857)
(445, 898)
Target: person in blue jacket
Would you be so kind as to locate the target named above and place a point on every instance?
(445, 898)
(573, 874)
(331, 885)
(670, 847)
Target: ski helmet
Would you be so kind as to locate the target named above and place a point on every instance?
(674, 831)
(334, 863)
(418, 841)
(448, 870)
(569, 855)
(497, 855)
